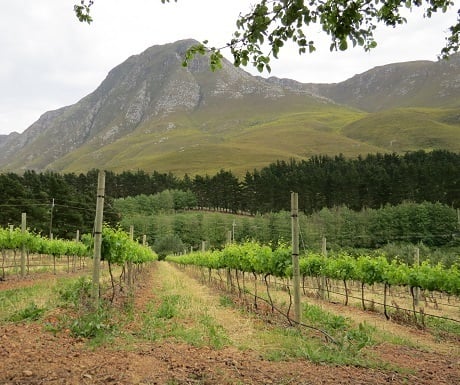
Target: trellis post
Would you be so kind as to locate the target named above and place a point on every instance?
(98, 236)
(295, 254)
(23, 247)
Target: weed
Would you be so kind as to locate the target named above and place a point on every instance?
(226, 301)
(14, 301)
(30, 313)
(358, 338)
(325, 320)
(443, 329)
(215, 332)
(345, 335)
(75, 293)
(98, 325)
(168, 307)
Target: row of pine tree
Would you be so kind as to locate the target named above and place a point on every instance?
(63, 203)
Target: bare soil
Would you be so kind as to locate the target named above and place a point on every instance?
(31, 355)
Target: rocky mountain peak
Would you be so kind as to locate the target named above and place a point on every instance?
(151, 85)
(150, 92)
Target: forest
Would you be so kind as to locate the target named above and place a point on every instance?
(61, 204)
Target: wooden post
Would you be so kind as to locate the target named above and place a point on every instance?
(98, 236)
(23, 248)
(416, 263)
(322, 290)
(74, 261)
(129, 263)
(51, 220)
(203, 246)
(458, 219)
(295, 254)
(54, 256)
(144, 240)
(229, 237)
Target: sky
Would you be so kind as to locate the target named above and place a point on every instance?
(49, 59)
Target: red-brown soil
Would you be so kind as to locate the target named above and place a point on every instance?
(31, 355)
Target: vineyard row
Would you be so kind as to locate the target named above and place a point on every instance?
(258, 259)
(117, 246)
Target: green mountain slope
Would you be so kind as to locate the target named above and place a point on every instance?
(151, 113)
(204, 142)
(409, 129)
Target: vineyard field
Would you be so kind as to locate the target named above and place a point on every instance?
(41, 263)
(435, 283)
(181, 331)
(224, 317)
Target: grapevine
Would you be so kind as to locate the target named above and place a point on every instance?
(254, 258)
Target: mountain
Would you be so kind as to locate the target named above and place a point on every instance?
(409, 84)
(420, 83)
(151, 113)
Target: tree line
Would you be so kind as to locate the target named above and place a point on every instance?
(394, 230)
(368, 182)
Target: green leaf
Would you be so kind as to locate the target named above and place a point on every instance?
(343, 45)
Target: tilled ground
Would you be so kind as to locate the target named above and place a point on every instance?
(31, 355)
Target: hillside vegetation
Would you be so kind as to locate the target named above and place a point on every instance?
(201, 145)
(408, 129)
(204, 144)
(151, 113)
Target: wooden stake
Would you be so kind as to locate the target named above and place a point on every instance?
(98, 236)
(229, 237)
(416, 263)
(74, 258)
(129, 262)
(295, 254)
(322, 289)
(23, 248)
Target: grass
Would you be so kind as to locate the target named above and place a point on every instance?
(184, 318)
(345, 348)
(31, 312)
(242, 138)
(17, 303)
(181, 312)
(443, 329)
(34, 302)
(407, 129)
(39, 302)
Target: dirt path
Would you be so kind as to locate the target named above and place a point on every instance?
(31, 355)
(238, 328)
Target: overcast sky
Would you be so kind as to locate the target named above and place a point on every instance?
(49, 59)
